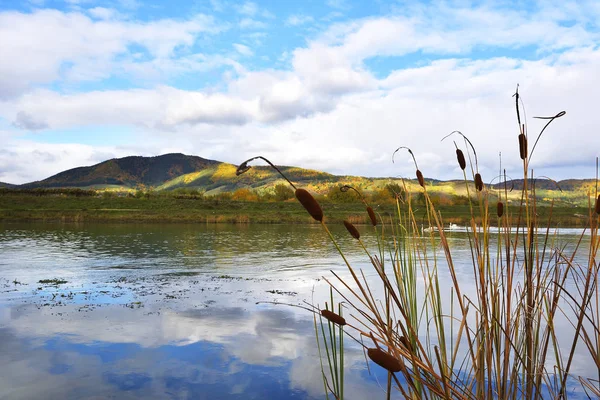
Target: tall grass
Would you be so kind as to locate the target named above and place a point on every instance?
(509, 328)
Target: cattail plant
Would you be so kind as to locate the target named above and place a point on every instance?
(304, 197)
(493, 337)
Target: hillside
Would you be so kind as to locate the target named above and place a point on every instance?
(178, 171)
(6, 185)
(127, 172)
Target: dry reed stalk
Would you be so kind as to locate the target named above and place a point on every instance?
(352, 230)
(333, 317)
(310, 204)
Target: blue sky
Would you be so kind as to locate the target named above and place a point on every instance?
(335, 85)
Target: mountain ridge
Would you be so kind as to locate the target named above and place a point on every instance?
(179, 171)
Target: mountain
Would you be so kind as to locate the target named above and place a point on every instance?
(6, 185)
(179, 171)
(128, 172)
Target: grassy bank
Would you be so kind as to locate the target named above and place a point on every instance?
(72, 208)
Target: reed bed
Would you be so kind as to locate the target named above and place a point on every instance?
(510, 328)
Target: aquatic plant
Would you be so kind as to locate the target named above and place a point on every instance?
(435, 335)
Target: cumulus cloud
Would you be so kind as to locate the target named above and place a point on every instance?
(337, 114)
(78, 41)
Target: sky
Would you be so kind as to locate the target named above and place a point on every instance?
(334, 85)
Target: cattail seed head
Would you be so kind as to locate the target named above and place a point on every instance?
(500, 209)
(384, 360)
(405, 342)
(333, 317)
(598, 205)
(352, 230)
(310, 204)
(523, 146)
(372, 216)
(420, 178)
(478, 182)
(461, 159)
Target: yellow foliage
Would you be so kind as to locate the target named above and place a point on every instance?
(224, 171)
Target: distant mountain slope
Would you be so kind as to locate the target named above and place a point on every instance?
(127, 172)
(221, 177)
(6, 185)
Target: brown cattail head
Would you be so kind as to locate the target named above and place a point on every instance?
(500, 209)
(384, 360)
(461, 159)
(372, 216)
(598, 205)
(310, 204)
(333, 317)
(478, 182)
(352, 230)
(420, 178)
(523, 146)
(406, 343)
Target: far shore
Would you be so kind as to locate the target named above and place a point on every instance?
(74, 209)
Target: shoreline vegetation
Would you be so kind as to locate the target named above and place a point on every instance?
(511, 328)
(241, 206)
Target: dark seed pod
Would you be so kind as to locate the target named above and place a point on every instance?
(333, 317)
(598, 205)
(500, 209)
(478, 182)
(352, 230)
(372, 216)
(310, 204)
(461, 159)
(420, 178)
(405, 342)
(523, 146)
(384, 360)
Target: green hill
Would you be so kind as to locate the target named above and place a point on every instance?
(6, 185)
(127, 172)
(178, 171)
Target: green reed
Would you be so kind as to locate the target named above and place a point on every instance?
(498, 341)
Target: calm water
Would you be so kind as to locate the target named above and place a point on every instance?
(173, 311)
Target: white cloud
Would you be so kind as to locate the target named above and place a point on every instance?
(248, 8)
(250, 23)
(82, 45)
(243, 49)
(349, 119)
(298, 19)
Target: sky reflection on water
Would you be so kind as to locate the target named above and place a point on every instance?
(170, 311)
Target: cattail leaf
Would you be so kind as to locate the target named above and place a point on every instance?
(310, 204)
(461, 159)
(372, 216)
(478, 182)
(333, 317)
(523, 146)
(500, 209)
(352, 230)
(384, 360)
(420, 178)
